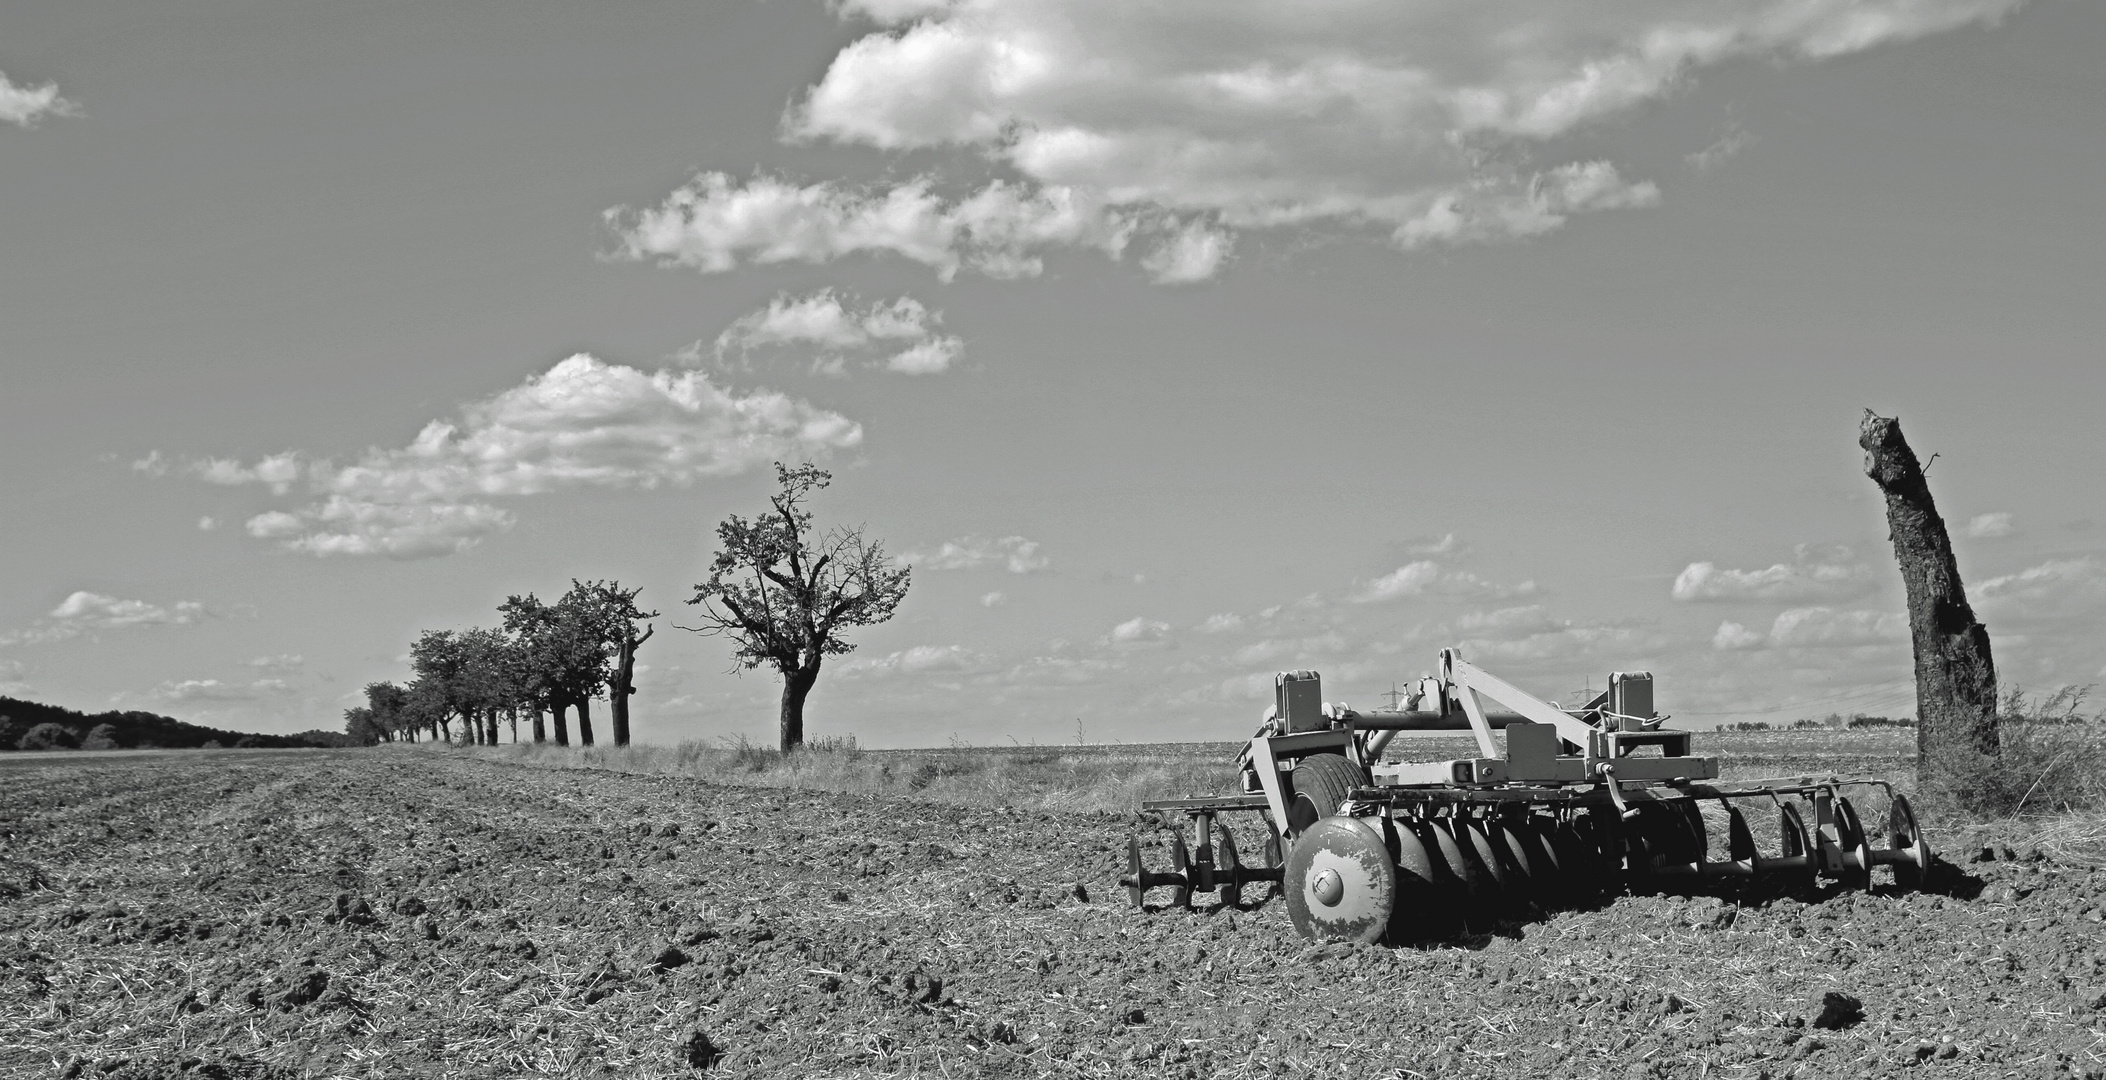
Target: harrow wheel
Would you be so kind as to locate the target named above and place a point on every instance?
(1180, 864)
(1227, 865)
(1340, 882)
(1321, 782)
(1856, 870)
(1904, 837)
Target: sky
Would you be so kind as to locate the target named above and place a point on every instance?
(1173, 345)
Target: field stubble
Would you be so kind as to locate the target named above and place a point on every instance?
(675, 912)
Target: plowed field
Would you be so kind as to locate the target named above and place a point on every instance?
(362, 913)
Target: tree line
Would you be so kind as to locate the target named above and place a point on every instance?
(781, 590)
(542, 663)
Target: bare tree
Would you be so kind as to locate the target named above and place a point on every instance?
(1955, 674)
(783, 595)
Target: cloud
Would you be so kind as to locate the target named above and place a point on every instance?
(1816, 627)
(1815, 573)
(1531, 633)
(23, 106)
(1445, 547)
(1426, 578)
(1189, 121)
(919, 660)
(11, 684)
(903, 329)
(1139, 629)
(280, 662)
(1987, 526)
(213, 690)
(2058, 589)
(207, 523)
(584, 423)
(993, 599)
(1221, 623)
(1018, 555)
(88, 613)
(711, 224)
(1711, 157)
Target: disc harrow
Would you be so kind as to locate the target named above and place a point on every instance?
(1580, 803)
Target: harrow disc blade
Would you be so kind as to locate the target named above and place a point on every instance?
(1134, 891)
(1856, 871)
(1740, 843)
(1181, 864)
(1228, 865)
(1492, 869)
(1795, 840)
(1340, 882)
(1904, 837)
(1579, 861)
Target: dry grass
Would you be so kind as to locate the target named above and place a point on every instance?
(1055, 778)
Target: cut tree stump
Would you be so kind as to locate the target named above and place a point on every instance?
(1955, 675)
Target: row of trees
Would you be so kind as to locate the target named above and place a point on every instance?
(544, 660)
(782, 591)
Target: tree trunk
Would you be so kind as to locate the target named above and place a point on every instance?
(540, 729)
(585, 721)
(624, 684)
(796, 686)
(1955, 675)
(490, 726)
(562, 726)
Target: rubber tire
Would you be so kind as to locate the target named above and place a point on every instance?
(1320, 783)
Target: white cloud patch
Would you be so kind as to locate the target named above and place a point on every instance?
(23, 106)
(191, 691)
(1221, 623)
(207, 523)
(993, 599)
(1139, 629)
(89, 613)
(919, 660)
(1815, 573)
(1990, 526)
(280, 662)
(1816, 627)
(1013, 553)
(900, 336)
(1425, 577)
(584, 423)
(1711, 157)
(2055, 590)
(1423, 121)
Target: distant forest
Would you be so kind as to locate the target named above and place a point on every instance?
(27, 725)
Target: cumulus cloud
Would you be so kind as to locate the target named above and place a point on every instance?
(88, 613)
(584, 423)
(921, 659)
(1531, 633)
(1425, 577)
(713, 224)
(1139, 629)
(900, 336)
(1989, 526)
(2056, 589)
(993, 599)
(1816, 627)
(1221, 623)
(23, 106)
(1815, 572)
(280, 662)
(1013, 553)
(1424, 121)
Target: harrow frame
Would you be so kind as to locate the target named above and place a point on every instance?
(1570, 804)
